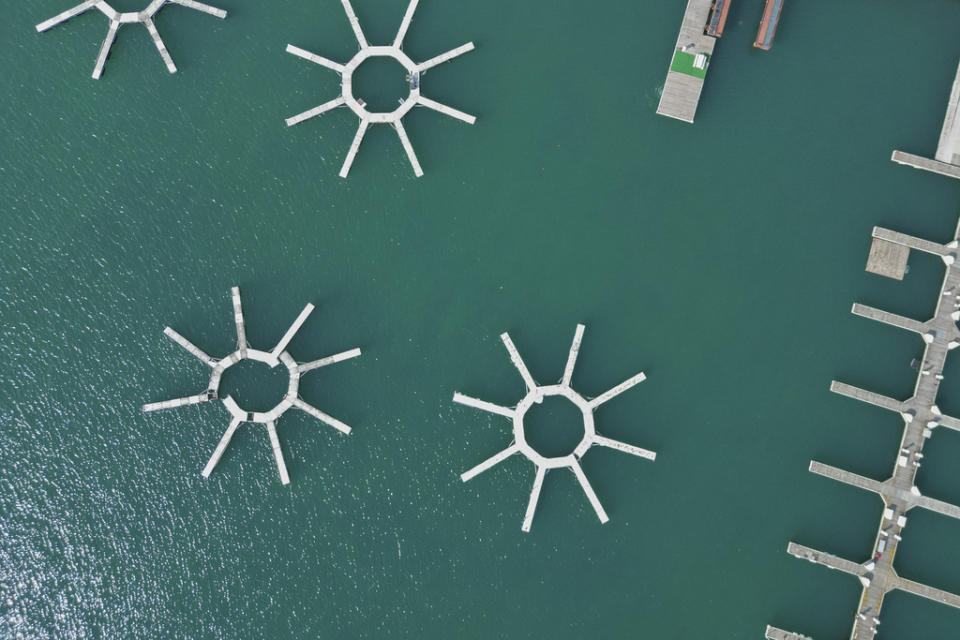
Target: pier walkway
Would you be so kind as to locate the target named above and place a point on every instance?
(681, 91)
(946, 161)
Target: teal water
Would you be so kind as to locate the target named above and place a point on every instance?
(720, 258)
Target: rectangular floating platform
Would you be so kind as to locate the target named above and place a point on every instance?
(774, 633)
(681, 91)
(888, 259)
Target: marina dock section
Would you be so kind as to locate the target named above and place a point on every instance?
(920, 416)
(889, 254)
(691, 58)
(946, 161)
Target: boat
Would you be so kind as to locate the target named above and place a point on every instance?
(768, 24)
(718, 18)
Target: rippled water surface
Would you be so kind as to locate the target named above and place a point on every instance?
(720, 258)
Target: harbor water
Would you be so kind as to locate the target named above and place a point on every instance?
(721, 258)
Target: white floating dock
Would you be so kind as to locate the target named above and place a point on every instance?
(117, 18)
(367, 118)
(534, 395)
(273, 358)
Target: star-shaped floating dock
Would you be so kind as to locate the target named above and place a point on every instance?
(278, 355)
(414, 71)
(118, 18)
(535, 394)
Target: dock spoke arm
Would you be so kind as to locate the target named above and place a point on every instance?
(292, 331)
(518, 361)
(588, 490)
(444, 57)
(323, 362)
(534, 498)
(277, 452)
(489, 462)
(314, 58)
(238, 319)
(320, 415)
(445, 110)
(626, 448)
(66, 15)
(407, 17)
(200, 6)
(191, 348)
(177, 402)
(310, 113)
(405, 141)
(572, 356)
(105, 49)
(355, 24)
(221, 447)
(617, 390)
(161, 47)
(483, 405)
(354, 147)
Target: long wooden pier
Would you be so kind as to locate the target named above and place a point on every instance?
(118, 18)
(688, 63)
(946, 161)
